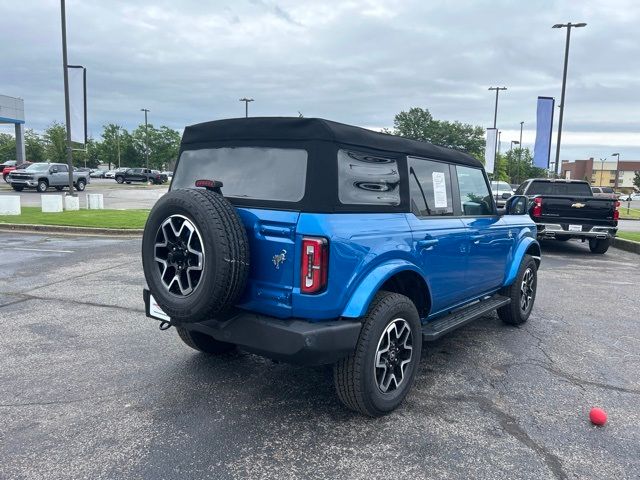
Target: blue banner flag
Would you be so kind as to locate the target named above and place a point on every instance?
(544, 128)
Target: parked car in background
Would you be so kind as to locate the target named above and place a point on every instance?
(144, 175)
(565, 209)
(339, 246)
(604, 192)
(98, 174)
(110, 174)
(41, 176)
(7, 170)
(626, 197)
(501, 191)
(8, 163)
(169, 174)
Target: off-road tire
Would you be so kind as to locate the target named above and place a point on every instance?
(43, 185)
(203, 343)
(354, 376)
(513, 314)
(599, 246)
(81, 185)
(119, 179)
(226, 255)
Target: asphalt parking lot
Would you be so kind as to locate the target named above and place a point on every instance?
(135, 195)
(90, 388)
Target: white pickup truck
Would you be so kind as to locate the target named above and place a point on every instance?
(41, 176)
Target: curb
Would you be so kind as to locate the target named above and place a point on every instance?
(626, 245)
(127, 232)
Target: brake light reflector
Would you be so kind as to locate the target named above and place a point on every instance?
(537, 207)
(314, 265)
(616, 212)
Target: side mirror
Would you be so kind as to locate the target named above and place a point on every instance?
(516, 205)
(506, 195)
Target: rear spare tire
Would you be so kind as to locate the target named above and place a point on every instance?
(195, 255)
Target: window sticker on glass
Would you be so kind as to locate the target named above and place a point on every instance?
(439, 190)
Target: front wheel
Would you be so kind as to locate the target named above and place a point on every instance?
(119, 179)
(203, 343)
(522, 293)
(376, 377)
(599, 246)
(80, 186)
(42, 186)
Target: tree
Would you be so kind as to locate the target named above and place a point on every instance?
(164, 144)
(419, 124)
(55, 137)
(34, 147)
(519, 166)
(7, 147)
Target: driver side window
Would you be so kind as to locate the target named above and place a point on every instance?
(475, 197)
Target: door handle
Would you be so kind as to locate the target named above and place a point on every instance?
(476, 238)
(427, 243)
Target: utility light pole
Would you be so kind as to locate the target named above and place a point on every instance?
(246, 105)
(67, 112)
(519, 153)
(146, 136)
(615, 182)
(495, 113)
(118, 143)
(602, 160)
(564, 83)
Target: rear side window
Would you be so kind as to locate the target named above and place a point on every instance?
(429, 188)
(475, 198)
(261, 173)
(559, 188)
(367, 179)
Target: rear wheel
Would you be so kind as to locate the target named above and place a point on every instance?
(599, 246)
(522, 293)
(376, 377)
(203, 343)
(80, 185)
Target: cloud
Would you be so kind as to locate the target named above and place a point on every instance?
(359, 62)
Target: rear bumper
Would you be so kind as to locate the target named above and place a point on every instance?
(293, 340)
(551, 230)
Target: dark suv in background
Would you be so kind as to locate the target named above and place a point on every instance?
(144, 175)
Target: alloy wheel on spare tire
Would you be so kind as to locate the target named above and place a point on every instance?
(195, 255)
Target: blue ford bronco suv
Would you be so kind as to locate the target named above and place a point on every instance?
(315, 242)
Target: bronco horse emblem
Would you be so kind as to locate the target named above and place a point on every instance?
(280, 258)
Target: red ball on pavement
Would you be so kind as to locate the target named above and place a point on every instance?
(598, 416)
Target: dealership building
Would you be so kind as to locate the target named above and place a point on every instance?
(12, 111)
(608, 173)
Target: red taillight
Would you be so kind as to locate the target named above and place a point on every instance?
(537, 207)
(616, 212)
(314, 266)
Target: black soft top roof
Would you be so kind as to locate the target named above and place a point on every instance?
(315, 129)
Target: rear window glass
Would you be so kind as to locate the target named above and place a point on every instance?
(559, 188)
(367, 179)
(261, 173)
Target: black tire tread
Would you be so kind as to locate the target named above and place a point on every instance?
(349, 370)
(510, 314)
(203, 343)
(599, 246)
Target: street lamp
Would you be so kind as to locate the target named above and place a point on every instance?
(495, 113)
(246, 105)
(602, 160)
(146, 136)
(564, 83)
(118, 143)
(615, 182)
(513, 142)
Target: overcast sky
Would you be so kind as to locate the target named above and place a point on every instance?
(358, 62)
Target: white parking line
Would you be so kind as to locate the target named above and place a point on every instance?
(40, 250)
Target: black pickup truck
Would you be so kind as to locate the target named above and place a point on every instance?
(564, 209)
(145, 175)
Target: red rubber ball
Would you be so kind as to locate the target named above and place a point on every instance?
(598, 416)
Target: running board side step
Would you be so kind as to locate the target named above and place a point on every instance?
(456, 319)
